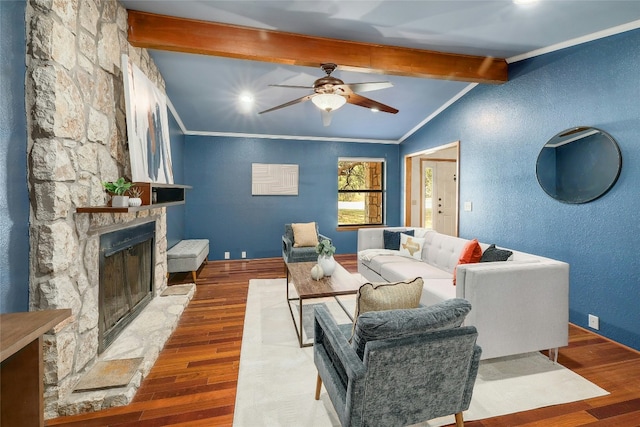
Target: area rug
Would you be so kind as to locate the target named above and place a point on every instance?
(276, 383)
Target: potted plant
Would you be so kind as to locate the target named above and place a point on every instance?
(134, 196)
(118, 189)
(325, 251)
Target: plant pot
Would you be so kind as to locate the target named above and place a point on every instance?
(120, 201)
(327, 263)
(135, 201)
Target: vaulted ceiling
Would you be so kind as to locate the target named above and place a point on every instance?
(210, 53)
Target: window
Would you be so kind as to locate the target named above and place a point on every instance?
(360, 192)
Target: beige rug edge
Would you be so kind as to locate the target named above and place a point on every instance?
(277, 379)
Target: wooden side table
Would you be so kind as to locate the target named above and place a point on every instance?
(22, 368)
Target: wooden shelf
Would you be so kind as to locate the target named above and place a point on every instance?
(153, 196)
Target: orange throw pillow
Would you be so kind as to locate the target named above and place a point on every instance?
(471, 253)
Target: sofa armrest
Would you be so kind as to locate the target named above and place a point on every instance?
(287, 244)
(517, 307)
(326, 328)
(323, 237)
(338, 365)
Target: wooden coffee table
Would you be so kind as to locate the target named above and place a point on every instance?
(340, 283)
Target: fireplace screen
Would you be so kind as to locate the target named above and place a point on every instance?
(126, 278)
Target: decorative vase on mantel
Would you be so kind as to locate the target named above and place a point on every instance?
(327, 263)
(135, 201)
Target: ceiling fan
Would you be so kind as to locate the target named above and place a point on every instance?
(331, 93)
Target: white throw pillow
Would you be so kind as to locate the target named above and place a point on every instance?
(411, 247)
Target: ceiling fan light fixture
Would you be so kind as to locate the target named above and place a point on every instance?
(328, 101)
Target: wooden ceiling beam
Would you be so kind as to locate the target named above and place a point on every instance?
(208, 38)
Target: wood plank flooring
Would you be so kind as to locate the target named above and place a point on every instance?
(193, 382)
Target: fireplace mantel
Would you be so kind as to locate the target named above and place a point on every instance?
(164, 195)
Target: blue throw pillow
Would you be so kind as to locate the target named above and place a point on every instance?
(392, 238)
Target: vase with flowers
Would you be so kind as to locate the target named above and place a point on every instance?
(325, 251)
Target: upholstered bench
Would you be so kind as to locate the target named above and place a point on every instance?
(187, 255)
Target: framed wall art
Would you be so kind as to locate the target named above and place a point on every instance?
(147, 127)
(274, 180)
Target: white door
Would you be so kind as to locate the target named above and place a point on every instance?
(445, 198)
(439, 196)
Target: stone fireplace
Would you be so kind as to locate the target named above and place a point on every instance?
(76, 125)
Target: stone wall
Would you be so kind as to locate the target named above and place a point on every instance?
(76, 139)
(373, 201)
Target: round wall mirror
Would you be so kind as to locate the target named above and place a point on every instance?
(579, 165)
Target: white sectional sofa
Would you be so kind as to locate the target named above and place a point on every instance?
(518, 306)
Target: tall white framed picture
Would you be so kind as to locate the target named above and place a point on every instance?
(147, 127)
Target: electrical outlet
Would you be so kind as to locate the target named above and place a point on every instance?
(227, 255)
(594, 322)
(244, 254)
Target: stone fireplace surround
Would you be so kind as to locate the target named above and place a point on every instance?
(76, 130)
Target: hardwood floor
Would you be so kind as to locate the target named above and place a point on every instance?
(193, 382)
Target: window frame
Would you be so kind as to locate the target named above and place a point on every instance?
(382, 191)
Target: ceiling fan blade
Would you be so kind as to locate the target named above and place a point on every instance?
(287, 104)
(361, 101)
(326, 118)
(366, 87)
(293, 86)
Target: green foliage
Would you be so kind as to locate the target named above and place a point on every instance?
(119, 187)
(325, 248)
(351, 175)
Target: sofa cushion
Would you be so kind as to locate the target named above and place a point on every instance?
(436, 291)
(378, 325)
(378, 262)
(471, 253)
(392, 238)
(304, 234)
(494, 254)
(411, 247)
(408, 268)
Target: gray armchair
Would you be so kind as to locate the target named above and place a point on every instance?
(293, 254)
(401, 366)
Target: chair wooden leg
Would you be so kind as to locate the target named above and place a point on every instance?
(318, 387)
(459, 420)
(193, 275)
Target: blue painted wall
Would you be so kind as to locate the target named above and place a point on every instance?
(221, 208)
(501, 131)
(14, 199)
(176, 214)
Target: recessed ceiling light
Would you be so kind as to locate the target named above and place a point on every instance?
(523, 2)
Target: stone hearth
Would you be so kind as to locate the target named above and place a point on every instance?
(143, 338)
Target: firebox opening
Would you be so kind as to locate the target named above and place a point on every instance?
(126, 278)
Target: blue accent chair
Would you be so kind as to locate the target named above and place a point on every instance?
(293, 254)
(401, 367)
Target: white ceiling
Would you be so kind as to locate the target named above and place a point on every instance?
(204, 90)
